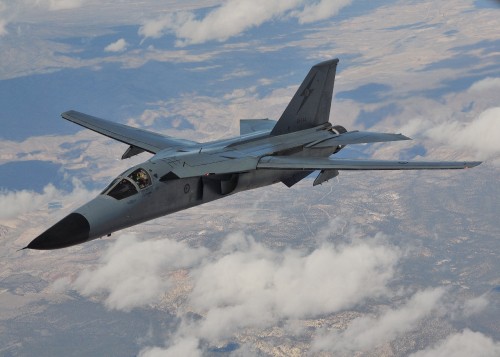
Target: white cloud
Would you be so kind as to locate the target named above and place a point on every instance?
(229, 19)
(320, 10)
(480, 135)
(236, 16)
(132, 272)
(475, 305)
(118, 46)
(15, 203)
(4, 19)
(187, 347)
(56, 5)
(239, 73)
(243, 283)
(464, 344)
(156, 28)
(252, 285)
(490, 83)
(460, 309)
(366, 333)
(51, 5)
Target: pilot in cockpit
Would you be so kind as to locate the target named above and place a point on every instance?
(142, 179)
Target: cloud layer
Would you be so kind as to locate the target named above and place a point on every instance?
(244, 274)
(15, 203)
(235, 16)
(241, 284)
(464, 344)
(245, 285)
(251, 285)
(133, 272)
(118, 46)
(366, 333)
(480, 135)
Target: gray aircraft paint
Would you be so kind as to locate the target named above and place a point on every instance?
(183, 174)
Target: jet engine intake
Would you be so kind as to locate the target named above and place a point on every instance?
(220, 184)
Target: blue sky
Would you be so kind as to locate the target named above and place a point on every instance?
(192, 69)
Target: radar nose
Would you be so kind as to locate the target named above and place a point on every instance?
(71, 230)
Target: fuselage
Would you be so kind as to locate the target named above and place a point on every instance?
(157, 187)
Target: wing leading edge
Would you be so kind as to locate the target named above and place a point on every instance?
(138, 139)
(357, 137)
(301, 163)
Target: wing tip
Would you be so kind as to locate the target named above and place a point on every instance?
(67, 114)
(471, 164)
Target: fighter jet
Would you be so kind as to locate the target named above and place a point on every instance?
(182, 173)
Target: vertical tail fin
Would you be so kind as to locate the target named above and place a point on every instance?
(310, 106)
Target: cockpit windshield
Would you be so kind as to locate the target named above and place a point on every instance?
(123, 187)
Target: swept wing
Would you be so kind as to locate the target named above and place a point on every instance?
(139, 140)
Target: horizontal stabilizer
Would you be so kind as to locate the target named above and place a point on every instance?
(302, 163)
(248, 126)
(135, 137)
(357, 137)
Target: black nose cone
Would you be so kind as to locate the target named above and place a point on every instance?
(74, 229)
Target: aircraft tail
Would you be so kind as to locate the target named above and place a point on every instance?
(310, 106)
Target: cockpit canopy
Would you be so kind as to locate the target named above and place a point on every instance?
(123, 187)
(141, 178)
